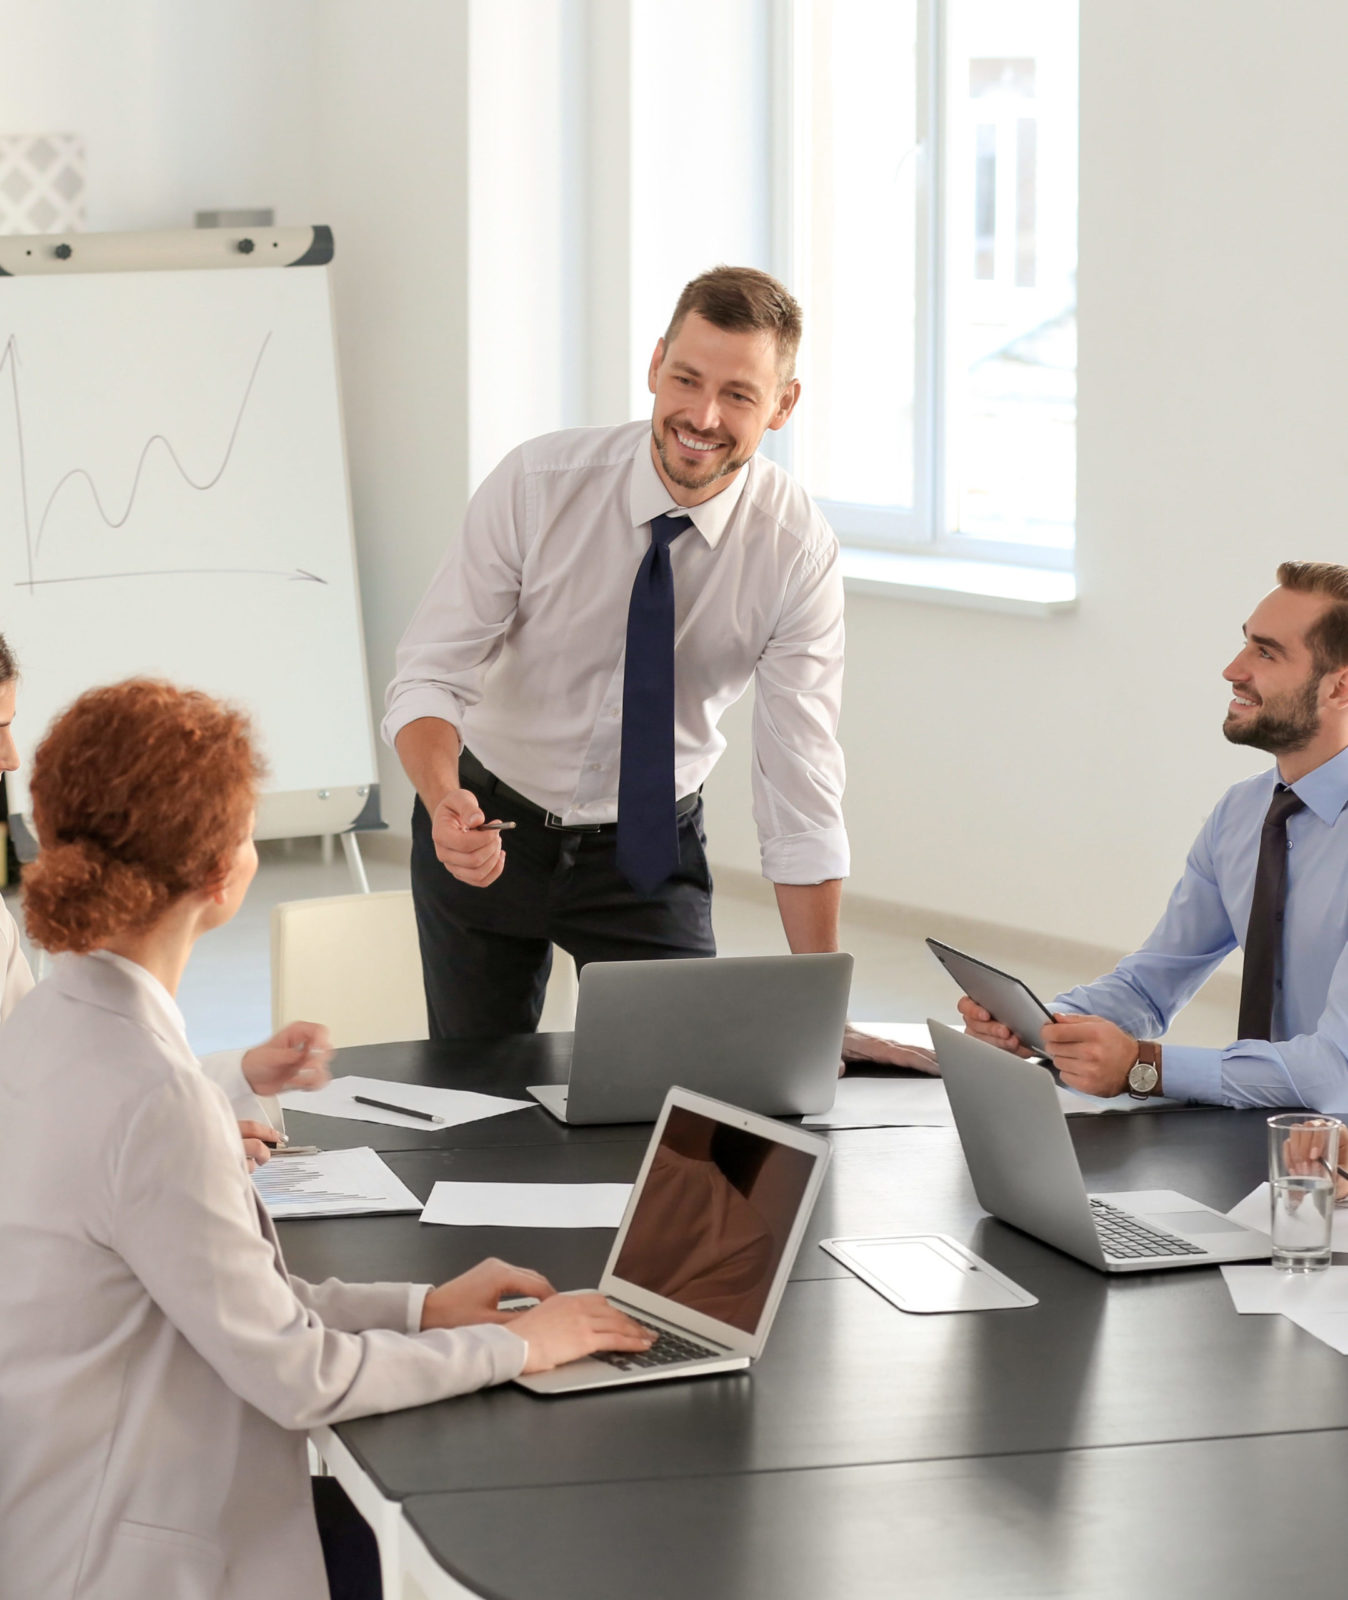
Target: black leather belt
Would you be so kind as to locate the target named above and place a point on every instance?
(480, 779)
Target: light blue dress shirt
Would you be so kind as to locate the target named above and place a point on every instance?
(1307, 1064)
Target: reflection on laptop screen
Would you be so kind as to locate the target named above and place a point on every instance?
(713, 1217)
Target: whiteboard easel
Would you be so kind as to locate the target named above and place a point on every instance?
(174, 498)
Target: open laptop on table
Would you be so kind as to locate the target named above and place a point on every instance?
(1025, 1172)
(763, 1031)
(706, 1245)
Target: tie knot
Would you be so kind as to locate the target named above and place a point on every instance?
(1284, 804)
(665, 528)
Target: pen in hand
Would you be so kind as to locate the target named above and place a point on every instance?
(406, 1111)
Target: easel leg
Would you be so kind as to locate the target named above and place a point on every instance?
(351, 849)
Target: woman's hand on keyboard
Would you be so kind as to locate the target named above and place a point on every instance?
(567, 1326)
(475, 1296)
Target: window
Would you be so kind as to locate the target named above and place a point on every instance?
(933, 239)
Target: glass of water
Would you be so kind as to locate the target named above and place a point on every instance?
(1304, 1154)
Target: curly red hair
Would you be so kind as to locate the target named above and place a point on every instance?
(140, 792)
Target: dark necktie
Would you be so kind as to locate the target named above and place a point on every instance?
(1263, 938)
(648, 830)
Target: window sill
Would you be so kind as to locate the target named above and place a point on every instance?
(947, 581)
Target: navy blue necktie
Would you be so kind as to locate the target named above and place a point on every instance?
(648, 830)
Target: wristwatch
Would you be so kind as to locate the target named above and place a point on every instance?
(1145, 1073)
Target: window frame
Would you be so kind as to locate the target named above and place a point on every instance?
(923, 528)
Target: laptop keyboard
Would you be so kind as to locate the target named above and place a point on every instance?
(667, 1349)
(1125, 1237)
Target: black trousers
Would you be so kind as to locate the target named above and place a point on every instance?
(486, 953)
(350, 1550)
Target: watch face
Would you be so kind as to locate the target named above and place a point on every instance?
(1143, 1077)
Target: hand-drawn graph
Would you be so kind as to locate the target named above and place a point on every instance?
(174, 504)
(10, 359)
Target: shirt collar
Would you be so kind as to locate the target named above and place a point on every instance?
(1325, 790)
(155, 991)
(649, 497)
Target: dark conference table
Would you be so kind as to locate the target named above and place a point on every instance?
(1123, 1436)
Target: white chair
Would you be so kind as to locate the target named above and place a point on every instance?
(352, 961)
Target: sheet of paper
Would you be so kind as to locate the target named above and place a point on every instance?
(528, 1205)
(1253, 1211)
(918, 1035)
(867, 1102)
(1315, 1301)
(453, 1106)
(1089, 1105)
(1263, 1290)
(1323, 1322)
(887, 1103)
(333, 1183)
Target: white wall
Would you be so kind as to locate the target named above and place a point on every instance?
(1047, 775)
(392, 126)
(181, 106)
(1051, 775)
(701, 162)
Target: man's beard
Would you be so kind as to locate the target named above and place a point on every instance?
(677, 473)
(1287, 723)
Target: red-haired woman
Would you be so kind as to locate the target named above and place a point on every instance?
(296, 1058)
(157, 1362)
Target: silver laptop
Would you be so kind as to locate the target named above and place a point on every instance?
(1025, 1172)
(706, 1245)
(763, 1031)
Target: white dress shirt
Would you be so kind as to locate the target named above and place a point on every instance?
(520, 640)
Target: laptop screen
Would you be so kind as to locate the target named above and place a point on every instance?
(713, 1217)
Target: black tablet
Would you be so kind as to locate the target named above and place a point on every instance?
(1009, 1001)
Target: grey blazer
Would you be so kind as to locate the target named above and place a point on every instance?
(158, 1365)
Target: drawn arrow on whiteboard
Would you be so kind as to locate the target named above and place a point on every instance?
(294, 575)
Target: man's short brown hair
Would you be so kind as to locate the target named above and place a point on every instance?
(744, 300)
(9, 667)
(1327, 637)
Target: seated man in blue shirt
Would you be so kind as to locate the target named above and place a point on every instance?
(1268, 872)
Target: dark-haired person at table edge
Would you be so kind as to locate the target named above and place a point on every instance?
(1268, 872)
(614, 590)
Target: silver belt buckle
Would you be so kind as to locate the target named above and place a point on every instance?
(553, 821)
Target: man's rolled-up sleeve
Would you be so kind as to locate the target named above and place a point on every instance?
(457, 630)
(798, 768)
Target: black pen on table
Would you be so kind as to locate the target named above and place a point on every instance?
(406, 1111)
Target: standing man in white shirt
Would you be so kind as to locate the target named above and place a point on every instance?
(613, 591)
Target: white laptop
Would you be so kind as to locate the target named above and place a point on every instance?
(1025, 1172)
(706, 1245)
(763, 1031)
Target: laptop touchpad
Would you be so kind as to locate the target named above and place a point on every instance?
(1193, 1222)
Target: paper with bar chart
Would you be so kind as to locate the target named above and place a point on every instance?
(333, 1183)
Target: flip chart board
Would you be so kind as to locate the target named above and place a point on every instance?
(173, 495)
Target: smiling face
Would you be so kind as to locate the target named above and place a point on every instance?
(717, 392)
(1279, 692)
